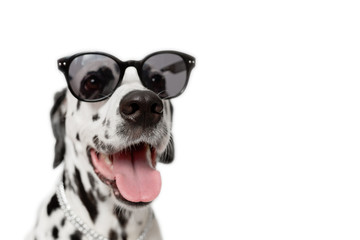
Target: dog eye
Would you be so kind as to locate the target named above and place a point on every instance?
(97, 84)
(155, 81)
(157, 78)
(91, 83)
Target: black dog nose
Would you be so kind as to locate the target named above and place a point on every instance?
(142, 108)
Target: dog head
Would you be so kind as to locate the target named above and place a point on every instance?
(112, 147)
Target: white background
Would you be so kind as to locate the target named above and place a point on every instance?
(267, 134)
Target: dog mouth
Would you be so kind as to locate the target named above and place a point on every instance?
(131, 173)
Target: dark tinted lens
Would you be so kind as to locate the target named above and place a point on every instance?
(165, 74)
(93, 76)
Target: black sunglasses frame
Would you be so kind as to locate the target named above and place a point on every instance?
(65, 62)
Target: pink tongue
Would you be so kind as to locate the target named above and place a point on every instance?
(135, 179)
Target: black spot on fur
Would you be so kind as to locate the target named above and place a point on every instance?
(87, 199)
(123, 236)
(106, 122)
(55, 232)
(106, 134)
(64, 179)
(123, 217)
(78, 105)
(77, 137)
(91, 180)
(95, 117)
(53, 205)
(76, 236)
(113, 235)
(100, 196)
(62, 223)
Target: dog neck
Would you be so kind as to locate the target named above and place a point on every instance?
(91, 200)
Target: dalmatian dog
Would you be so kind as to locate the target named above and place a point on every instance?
(109, 149)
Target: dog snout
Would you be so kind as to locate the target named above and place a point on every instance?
(143, 108)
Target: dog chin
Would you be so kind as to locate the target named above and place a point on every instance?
(130, 173)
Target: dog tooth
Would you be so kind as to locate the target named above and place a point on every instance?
(148, 152)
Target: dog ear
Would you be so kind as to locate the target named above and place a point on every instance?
(57, 115)
(169, 154)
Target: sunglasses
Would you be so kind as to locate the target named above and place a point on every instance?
(94, 76)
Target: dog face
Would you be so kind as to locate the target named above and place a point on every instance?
(116, 142)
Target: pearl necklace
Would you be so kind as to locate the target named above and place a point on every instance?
(83, 227)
